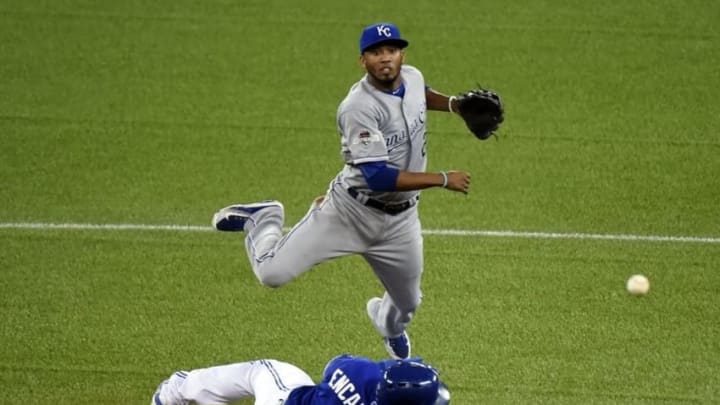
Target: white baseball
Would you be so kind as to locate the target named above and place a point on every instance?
(638, 285)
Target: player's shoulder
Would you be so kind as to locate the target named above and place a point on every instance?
(344, 359)
(351, 365)
(355, 90)
(410, 69)
(357, 99)
(335, 361)
(411, 74)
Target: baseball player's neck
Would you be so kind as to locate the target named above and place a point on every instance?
(385, 85)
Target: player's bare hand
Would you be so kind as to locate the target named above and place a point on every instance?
(458, 181)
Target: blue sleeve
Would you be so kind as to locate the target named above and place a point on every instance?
(379, 176)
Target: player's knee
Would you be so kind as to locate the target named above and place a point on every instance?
(274, 273)
(273, 280)
(417, 303)
(271, 284)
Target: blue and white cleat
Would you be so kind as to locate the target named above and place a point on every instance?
(398, 347)
(234, 217)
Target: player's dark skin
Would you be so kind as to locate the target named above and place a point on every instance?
(382, 63)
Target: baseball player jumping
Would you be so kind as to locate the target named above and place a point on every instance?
(370, 207)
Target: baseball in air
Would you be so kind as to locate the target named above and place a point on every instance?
(638, 285)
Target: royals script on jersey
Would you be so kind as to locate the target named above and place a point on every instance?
(347, 380)
(376, 126)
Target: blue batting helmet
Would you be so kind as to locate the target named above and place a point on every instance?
(411, 383)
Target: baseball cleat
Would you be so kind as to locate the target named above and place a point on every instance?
(234, 217)
(398, 347)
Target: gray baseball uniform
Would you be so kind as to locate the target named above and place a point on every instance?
(375, 126)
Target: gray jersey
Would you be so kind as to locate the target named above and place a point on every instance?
(379, 127)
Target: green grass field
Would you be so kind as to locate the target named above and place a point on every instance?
(159, 113)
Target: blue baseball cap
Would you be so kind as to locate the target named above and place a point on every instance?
(379, 33)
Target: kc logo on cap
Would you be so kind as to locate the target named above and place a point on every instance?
(381, 32)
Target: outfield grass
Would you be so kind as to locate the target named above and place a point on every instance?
(161, 113)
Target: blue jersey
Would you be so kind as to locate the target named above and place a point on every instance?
(347, 380)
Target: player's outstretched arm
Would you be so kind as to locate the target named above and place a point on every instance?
(452, 180)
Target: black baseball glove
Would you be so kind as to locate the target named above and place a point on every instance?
(482, 110)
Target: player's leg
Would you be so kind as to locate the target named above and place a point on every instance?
(263, 224)
(398, 264)
(330, 229)
(269, 381)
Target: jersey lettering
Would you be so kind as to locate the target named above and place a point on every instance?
(353, 400)
(341, 384)
(395, 139)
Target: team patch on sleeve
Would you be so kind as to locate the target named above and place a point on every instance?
(365, 138)
(366, 146)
